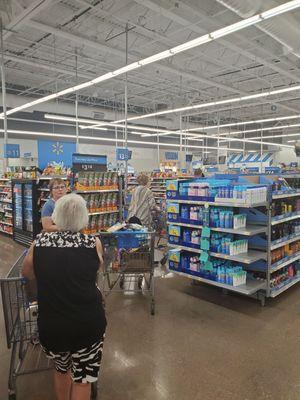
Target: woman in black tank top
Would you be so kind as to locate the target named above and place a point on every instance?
(71, 318)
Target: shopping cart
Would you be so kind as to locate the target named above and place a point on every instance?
(20, 310)
(128, 263)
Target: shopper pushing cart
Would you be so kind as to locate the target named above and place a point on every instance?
(129, 263)
(71, 319)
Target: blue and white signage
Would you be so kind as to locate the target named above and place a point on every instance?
(11, 151)
(89, 162)
(50, 151)
(171, 155)
(123, 154)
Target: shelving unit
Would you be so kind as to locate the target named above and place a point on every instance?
(6, 218)
(272, 278)
(104, 201)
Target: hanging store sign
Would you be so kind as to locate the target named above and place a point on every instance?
(171, 155)
(11, 150)
(123, 154)
(89, 162)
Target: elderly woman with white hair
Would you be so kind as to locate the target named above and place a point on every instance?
(71, 318)
(142, 203)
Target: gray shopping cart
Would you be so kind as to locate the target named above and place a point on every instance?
(20, 310)
(128, 263)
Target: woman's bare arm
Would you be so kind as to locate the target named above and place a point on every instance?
(27, 266)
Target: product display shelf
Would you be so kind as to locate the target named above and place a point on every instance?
(285, 195)
(103, 198)
(249, 230)
(271, 278)
(245, 258)
(114, 190)
(284, 240)
(279, 219)
(5, 206)
(250, 288)
(284, 287)
(219, 203)
(104, 212)
(48, 178)
(284, 262)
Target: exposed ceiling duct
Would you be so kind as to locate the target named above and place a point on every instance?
(284, 29)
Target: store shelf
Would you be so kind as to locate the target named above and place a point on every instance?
(48, 178)
(104, 212)
(5, 201)
(8, 209)
(4, 179)
(285, 261)
(276, 292)
(285, 195)
(4, 192)
(8, 233)
(279, 219)
(285, 240)
(250, 230)
(216, 203)
(96, 191)
(245, 258)
(251, 287)
(6, 223)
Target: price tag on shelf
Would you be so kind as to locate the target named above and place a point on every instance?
(204, 256)
(205, 233)
(204, 244)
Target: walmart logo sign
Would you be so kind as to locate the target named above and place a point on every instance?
(49, 151)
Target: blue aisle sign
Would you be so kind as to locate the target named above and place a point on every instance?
(50, 151)
(11, 151)
(123, 154)
(171, 155)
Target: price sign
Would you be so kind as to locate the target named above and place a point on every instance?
(89, 162)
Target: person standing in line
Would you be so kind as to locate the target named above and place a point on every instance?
(142, 202)
(57, 187)
(71, 318)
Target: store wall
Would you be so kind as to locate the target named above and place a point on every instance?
(143, 159)
(286, 156)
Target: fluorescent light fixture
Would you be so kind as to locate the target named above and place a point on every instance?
(258, 121)
(105, 139)
(269, 128)
(277, 136)
(291, 5)
(292, 141)
(214, 103)
(245, 141)
(237, 26)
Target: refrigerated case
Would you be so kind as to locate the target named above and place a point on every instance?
(26, 223)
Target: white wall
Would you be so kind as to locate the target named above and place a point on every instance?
(286, 156)
(143, 159)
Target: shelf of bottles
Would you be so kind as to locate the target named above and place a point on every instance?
(101, 191)
(254, 232)
(6, 217)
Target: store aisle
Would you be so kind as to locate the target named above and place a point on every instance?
(201, 345)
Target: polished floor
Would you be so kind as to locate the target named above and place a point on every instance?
(200, 345)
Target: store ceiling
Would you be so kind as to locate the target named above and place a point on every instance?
(42, 38)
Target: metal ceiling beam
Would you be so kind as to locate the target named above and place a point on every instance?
(48, 67)
(189, 25)
(120, 53)
(29, 12)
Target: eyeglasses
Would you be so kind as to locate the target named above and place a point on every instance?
(61, 187)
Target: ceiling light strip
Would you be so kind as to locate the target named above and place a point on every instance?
(289, 6)
(105, 139)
